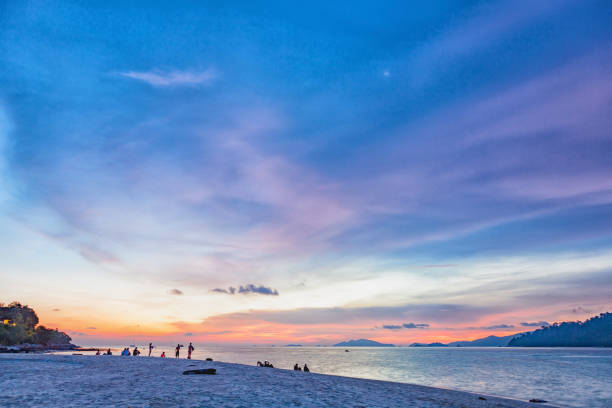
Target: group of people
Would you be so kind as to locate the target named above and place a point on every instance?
(177, 350)
(126, 352)
(296, 367)
(136, 352)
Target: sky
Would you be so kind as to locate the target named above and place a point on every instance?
(270, 173)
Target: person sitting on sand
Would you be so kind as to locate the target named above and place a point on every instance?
(177, 351)
(97, 352)
(150, 348)
(259, 364)
(306, 369)
(190, 350)
(136, 352)
(163, 354)
(125, 352)
(296, 367)
(108, 353)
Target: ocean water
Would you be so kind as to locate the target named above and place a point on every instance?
(575, 377)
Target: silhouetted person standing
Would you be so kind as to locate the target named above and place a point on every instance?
(177, 351)
(150, 348)
(190, 350)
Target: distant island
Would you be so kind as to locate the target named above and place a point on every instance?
(489, 341)
(428, 345)
(594, 332)
(293, 345)
(362, 343)
(19, 331)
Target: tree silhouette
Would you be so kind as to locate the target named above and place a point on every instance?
(594, 332)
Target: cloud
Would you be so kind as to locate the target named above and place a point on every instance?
(176, 292)
(188, 334)
(230, 291)
(159, 78)
(415, 325)
(262, 290)
(535, 324)
(405, 326)
(249, 288)
(92, 328)
(499, 326)
(95, 254)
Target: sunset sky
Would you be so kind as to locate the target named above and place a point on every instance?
(273, 172)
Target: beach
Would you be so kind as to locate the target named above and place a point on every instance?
(35, 380)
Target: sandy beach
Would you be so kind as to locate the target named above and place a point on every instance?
(36, 380)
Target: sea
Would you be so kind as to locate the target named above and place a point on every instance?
(572, 377)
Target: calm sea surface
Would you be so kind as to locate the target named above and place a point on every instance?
(577, 377)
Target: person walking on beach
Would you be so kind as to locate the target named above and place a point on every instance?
(190, 350)
(150, 348)
(177, 351)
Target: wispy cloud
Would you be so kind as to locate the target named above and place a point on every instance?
(172, 78)
(441, 313)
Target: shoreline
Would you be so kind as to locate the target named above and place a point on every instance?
(77, 380)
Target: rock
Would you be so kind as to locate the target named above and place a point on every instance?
(537, 400)
(209, 359)
(210, 371)
(482, 398)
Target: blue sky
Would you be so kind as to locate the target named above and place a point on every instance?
(447, 164)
